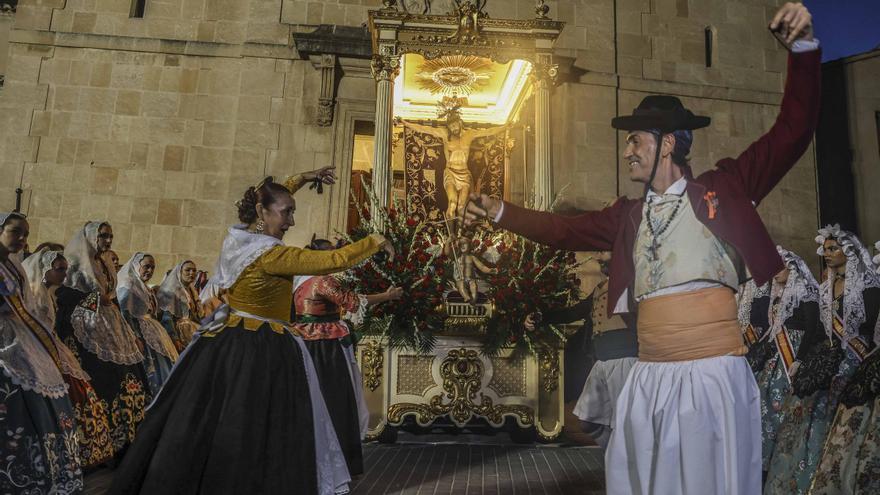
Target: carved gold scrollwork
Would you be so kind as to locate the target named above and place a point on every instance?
(462, 372)
(385, 67)
(371, 365)
(549, 366)
(545, 73)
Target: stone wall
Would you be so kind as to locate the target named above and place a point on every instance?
(863, 99)
(159, 124)
(6, 20)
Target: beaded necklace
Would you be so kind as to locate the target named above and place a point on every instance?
(655, 246)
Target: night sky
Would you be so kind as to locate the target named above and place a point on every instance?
(846, 27)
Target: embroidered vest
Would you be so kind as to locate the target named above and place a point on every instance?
(601, 322)
(685, 250)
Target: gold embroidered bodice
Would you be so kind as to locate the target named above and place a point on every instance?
(265, 287)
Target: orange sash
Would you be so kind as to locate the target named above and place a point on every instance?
(688, 326)
(786, 351)
(856, 344)
(750, 335)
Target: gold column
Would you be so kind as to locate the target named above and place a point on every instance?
(545, 78)
(385, 69)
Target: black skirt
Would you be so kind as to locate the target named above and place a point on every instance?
(334, 377)
(235, 416)
(38, 443)
(122, 388)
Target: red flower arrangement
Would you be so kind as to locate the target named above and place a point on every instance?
(530, 277)
(418, 268)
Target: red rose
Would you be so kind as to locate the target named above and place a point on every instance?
(411, 222)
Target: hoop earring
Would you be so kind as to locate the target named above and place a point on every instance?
(260, 227)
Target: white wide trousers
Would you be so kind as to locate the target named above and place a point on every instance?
(687, 428)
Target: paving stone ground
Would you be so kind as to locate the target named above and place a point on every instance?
(463, 464)
(419, 469)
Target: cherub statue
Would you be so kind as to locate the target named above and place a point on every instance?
(457, 179)
(465, 261)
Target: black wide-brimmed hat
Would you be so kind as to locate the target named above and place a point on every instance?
(664, 113)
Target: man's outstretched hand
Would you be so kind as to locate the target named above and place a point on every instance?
(479, 207)
(793, 22)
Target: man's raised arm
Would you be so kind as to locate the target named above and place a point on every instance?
(760, 167)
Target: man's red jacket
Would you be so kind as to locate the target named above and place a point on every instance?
(732, 189)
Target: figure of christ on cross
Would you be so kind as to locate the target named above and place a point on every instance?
(457, 179)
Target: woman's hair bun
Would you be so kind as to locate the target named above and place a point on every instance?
(266, 193)
(247, 206)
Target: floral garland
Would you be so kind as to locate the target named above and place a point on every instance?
(530, 278)
(419, 267)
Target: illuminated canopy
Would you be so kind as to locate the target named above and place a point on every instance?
(493, 93)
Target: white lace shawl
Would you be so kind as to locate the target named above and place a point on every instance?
(240, 249)
(42, 306)
(23, 358)
(746, 297)
(860, 275)
(81, 253)
(801, 287)
(36, 267)
(138, 301)
(173, 295)
(103, 332)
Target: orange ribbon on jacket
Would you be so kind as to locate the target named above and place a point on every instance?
(712, 202)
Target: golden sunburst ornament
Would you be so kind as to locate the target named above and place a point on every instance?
(454, 74)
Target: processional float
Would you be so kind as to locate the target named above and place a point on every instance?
(451, 86)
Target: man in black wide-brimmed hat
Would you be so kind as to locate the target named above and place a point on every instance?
(688, 418)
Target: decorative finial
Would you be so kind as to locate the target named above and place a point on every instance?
(541, 10)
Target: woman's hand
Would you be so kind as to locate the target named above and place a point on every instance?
(385, 245)
(326, 174)
(393, 293)
(531, 322)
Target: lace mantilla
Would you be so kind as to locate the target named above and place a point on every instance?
(104, 333)
(25, 361)
(800, 288)
(860, 275)
(746, 296)
(157, 337)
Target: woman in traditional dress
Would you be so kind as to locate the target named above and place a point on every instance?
(46, 271)
(851, 459)
(849, 294)
(179, 304)
(90, 323)
(319, 303)
(791, 316)
(139, 307)
(37, 426)
(242, 411)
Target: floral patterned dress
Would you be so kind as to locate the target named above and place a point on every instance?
(851, 460)
(38, 438)
(773, 382)
(808, 413)
(121, 385)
